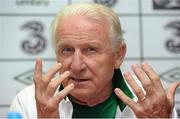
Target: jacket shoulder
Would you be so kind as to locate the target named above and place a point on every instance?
(24, 102)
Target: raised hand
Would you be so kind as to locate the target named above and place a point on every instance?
(47, 101)
(155, 102)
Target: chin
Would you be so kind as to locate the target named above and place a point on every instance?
(81, 93)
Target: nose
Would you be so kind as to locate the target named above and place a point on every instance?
(77, 64)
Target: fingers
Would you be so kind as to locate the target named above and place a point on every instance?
(51, 72)
(135, 87)
(45, 87)
(125, 98)
(171, 92)
(144, 79)
(52, 86)
(153, 76)
(40, 80)
(63, 93)
(38, 72)
(157, 103)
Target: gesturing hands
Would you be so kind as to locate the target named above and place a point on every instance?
(156, 102)
(47, 102)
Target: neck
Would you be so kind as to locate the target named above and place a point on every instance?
(92, 101)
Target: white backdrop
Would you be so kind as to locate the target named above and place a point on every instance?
(151, 30)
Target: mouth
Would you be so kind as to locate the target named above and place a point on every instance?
(79, 80)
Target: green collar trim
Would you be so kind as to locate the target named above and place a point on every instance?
(118, 82)
(106, 109)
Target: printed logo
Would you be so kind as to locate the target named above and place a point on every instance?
(25, 77)
(173, 42)
(172, 75)
(34, 42)
(32, 2)
(108, 3)
(166, 4)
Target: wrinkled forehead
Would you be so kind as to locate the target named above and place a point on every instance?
(81, 32)
(81, 27)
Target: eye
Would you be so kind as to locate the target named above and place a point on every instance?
(66, 51)
(91, 50)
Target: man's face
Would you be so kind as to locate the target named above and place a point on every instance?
(84, 48)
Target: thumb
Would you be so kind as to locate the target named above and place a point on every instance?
(171, 92)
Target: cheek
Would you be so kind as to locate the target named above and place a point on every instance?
(102, 62)
(65, 64)
(102, 74)
(101, 66)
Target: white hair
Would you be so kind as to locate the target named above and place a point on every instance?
(95, 12)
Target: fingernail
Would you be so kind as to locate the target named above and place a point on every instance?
(144, 63)
(67, 72)
(134, 65)
(126, 73)
(72, 85)
(59, 64)
(38, 59)
(116, 90)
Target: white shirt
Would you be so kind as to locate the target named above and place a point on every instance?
(25, 103)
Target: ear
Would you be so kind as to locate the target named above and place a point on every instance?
(119, 55)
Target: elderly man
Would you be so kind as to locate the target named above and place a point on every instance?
(90, 49)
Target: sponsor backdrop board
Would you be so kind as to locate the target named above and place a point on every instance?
(151, 30)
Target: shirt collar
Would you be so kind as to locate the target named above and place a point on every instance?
(119, 82)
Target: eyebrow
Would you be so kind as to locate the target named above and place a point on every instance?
(85, 43)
